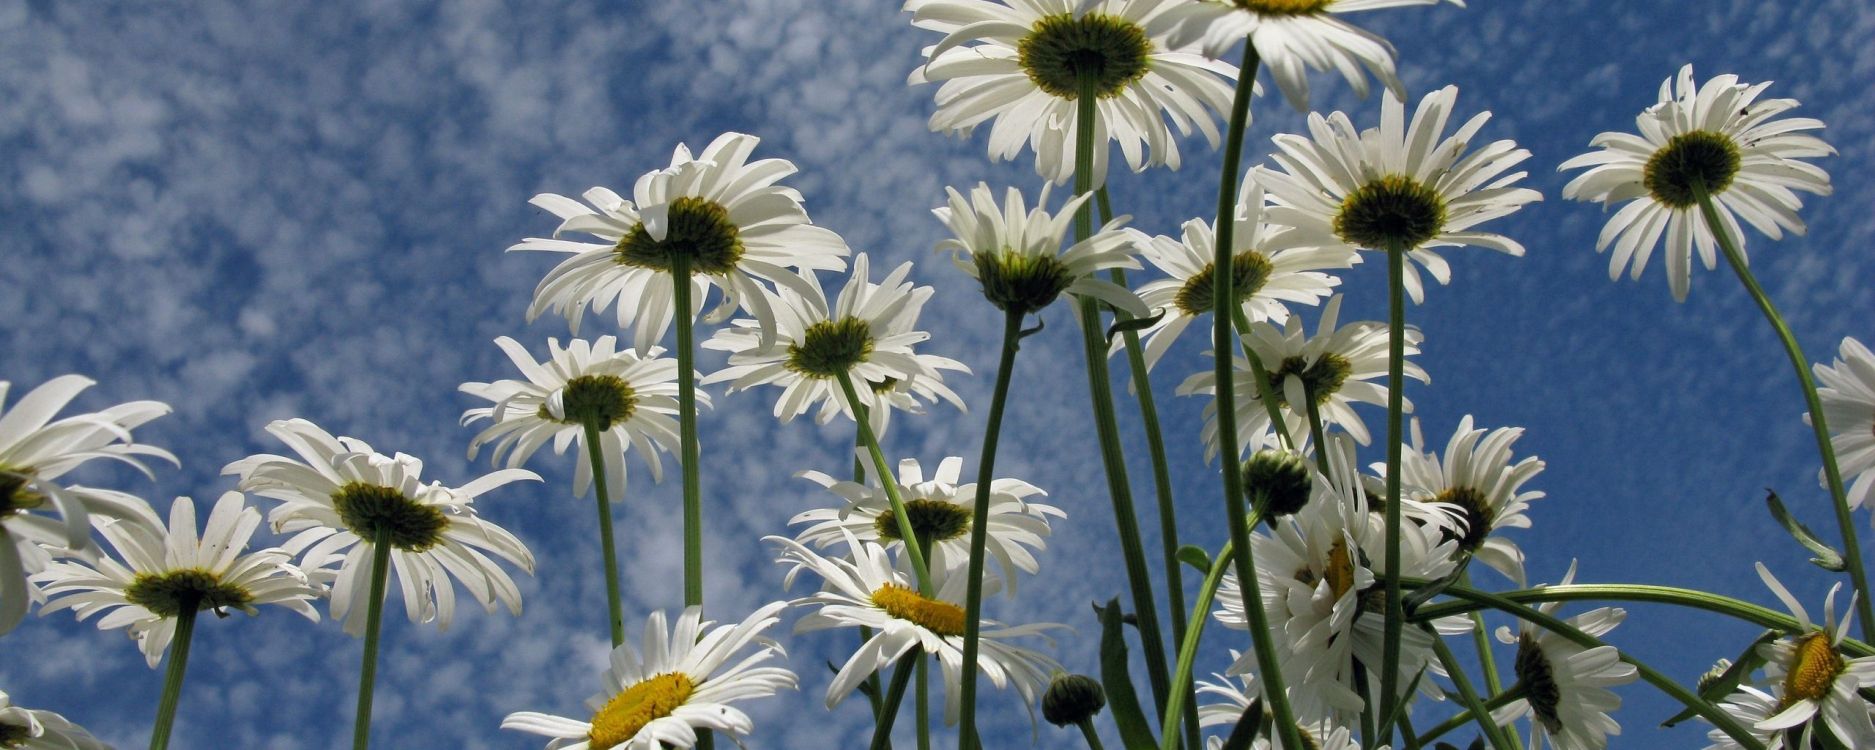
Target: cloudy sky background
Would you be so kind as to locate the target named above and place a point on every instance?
(299, 210)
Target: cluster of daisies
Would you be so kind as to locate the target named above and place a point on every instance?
(899, 554)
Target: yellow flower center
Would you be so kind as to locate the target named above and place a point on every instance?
(1813, 670)
(188, 590)
(634, 707)
(14, 735)
(1340, 572)
(1108, 53)
(1249, 269)
(942, 618)
(1479, 515)
(697, 228)
(1393, 211)
(1284, 7)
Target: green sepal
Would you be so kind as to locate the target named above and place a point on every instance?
(1195, 556)
(1133, 324)
(1826, 558)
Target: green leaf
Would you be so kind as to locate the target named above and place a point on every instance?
(1423, 594)
(1826, 558)
(1133, 324)
(1742, 667)
(1027, 332)
(1122, 702)
(1195, 556)
(1246, 729)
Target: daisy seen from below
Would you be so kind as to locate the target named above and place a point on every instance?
(35, 450)
(1718, 139)
(1566, 687)
(29, 729)
(867, 334)
(1480, 487)
(1015, 253)
(1267, 273)
(1816, 688)
(1026, 63)
(680, 680)
(1403, 185)
(940, 510)
(1848, 396)
(720, 216)
(1236, 696)
(867, 591)
(1338, 366)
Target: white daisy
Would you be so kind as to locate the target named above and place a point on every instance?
(867, 333)
(1338, 365)
(1716, 137)
(1399, 185)
(1016, 254)
(29, 729)
(1021, 63)
(1477, 483)
(1566, 686)
(1813, 679)
(1292, 37)
(1847, 389)
(1749, 706)
(631, 399)
(681, 680)
(866, 591)
(35, 450)
(1236, 697)
(941, 510)
(341, 495)
(167, 571)
(1266, 272)
(716, 209)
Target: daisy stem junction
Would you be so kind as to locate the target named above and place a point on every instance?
(1851, 547)
(1496, 702)
(1223, 298)
(172, 679)
(1466, 694)
(979, 525)
(374, 620)
(596, 457)
(894, 695)
(889, 482)
(1396, 392)
(687, 431)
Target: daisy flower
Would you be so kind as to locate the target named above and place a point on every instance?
(1291, 37)
(1266, 272)
(1566, 686)
(340, 496)
(1717, 138)
(1236, 696)
(867, 333)
(1815, 684)
(630, 398)
(681, 680)
(28, 729)
(1338, 366)
(867, 592)
(1848, 394)
(1016, 254)
(1399, 185)
(1477, 483)
(941, 510)
(35, 450)
(722, 214)
(167, 571)
(1022, 65)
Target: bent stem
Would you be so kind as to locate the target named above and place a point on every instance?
(1852, 548)
(687, 431)
(1487, 663)
(889, 481)
(1396, 392)
(894, 695)
(374, 618)
(1496, 702)
(596, 457)
(979, 526)
(1456, 672)
(172, 680)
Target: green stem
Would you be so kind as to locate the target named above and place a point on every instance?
(1266, 393)
(1193, 633)
(1223, 300)
(374, 617)
(1852, 548)
(889, 481)
(607, 549)
(1497, 701)
(1487, 663)
(1087, 731)
(979, 526)
(876, 693)
(924, 706)
(172, 679)
(687, 431)
(1316, 434)
(894, 695)
(1396, 392)
(1456, 672)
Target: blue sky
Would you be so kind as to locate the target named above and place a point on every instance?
(300, 211)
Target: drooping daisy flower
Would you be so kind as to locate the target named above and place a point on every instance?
(941, 510)
(28, 729)
(1266, 272)
(867, 333)
(1566, 686)
(1816, 686)
(1016, 254)
(166, 571)
(341, 496)
(682, 680)
(1718, 138)
(35, 450)
(866, 591)
(1400, 185)
(1291, 38)
(1337, 366)
(1236, 697)
(1022, 64)
(1847, 389)
(724, 215)
(631, 399)
(1477, 483)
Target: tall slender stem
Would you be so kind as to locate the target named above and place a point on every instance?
(1851, 547)
(596, 457)
(877, 692)
(889, 481)
(1266, 392)
(1456, 672)
(924, 705)
(172, 679)
(687, 431)
(374, 618)
(1481, 639)
(1193, 633)
(1316, 434)
(1497, 701)
(1396, 393)
(894, 695)
(979, 526)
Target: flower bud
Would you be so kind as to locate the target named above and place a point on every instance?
(1072, 699)
(1282, 478)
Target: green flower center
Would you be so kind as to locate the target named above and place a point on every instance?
(14, 735)
(14, 496)
(1693, 159)
(1283, 7)
(1539, 683)
(628, 712)
(931, 520)
(1320, 380)
(697, 228)
(188, 590)
(942, 618)
(1812, 671)
(1108, 52)
(1479, 515)
(1248, 271)
(367, 509)
(831, 347)
(1393, 211)
(1019, 282)
(604, 399)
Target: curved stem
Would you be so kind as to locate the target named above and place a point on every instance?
(1087, 731)
(1396, 392)
(894, 695)
(596, 458)
(687, 431)
(1188, 645)
(979, 525)
(1496, 702)
(888, 480)
(1456, 672)
(172, 679)
(374, 618)
(1852, 548)
(1266, 393)
(1487, 663)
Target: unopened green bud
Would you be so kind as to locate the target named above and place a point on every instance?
(1282, 478)
(1072, 699)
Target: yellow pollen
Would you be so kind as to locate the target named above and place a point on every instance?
(638, 705)
(1340, 572)
(942, 618)
(1813, 669)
